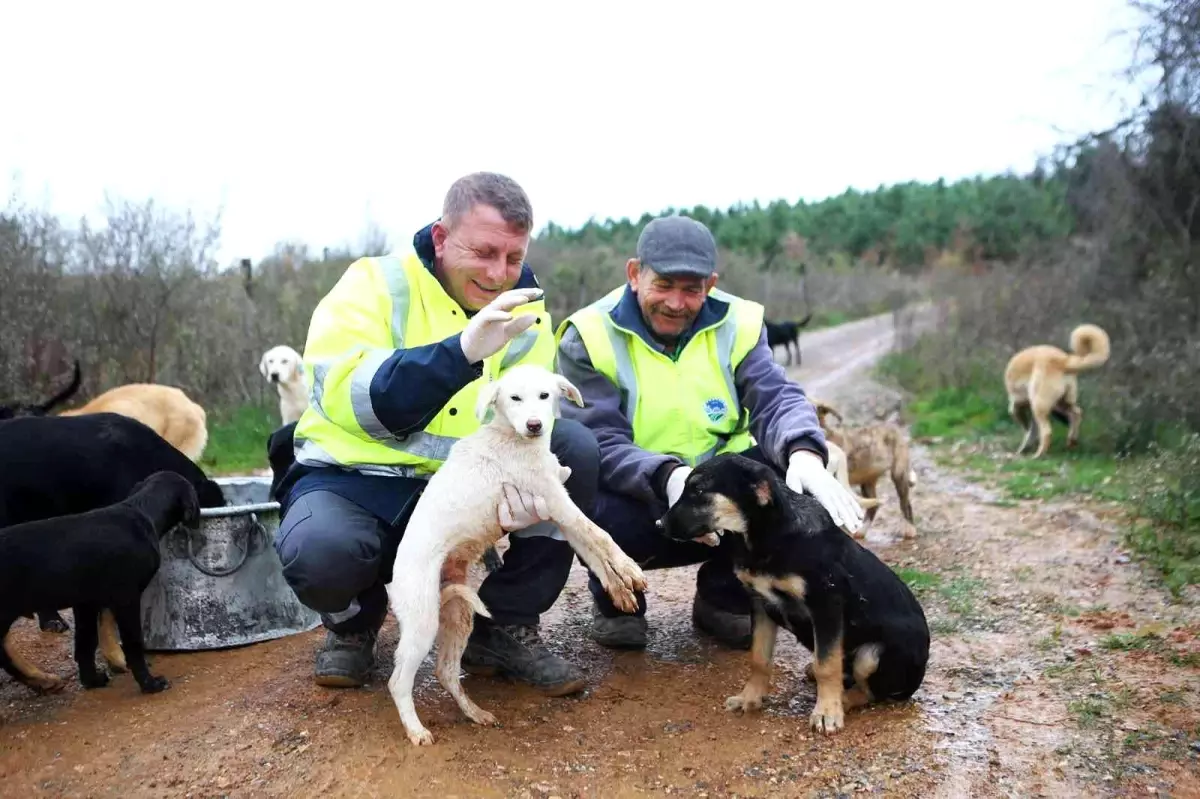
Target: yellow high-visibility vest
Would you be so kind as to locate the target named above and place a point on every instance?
(379, 305)
(688, 407)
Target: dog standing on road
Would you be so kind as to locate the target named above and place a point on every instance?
(786, 333)
(456, 519)
(283, 368)
(101, 559)
(871, 452)
(866, 630)
(1042, 382)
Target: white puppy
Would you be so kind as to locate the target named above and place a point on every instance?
(457, 518)
(284, 368)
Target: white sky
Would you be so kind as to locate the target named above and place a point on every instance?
(302, 123)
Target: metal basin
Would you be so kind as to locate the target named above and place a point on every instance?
(221, 584)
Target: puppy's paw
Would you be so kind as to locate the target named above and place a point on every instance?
(421, 737)
(47, 684)
(97, 679)
(481, 716)
(827, 717)
(623, 598)
(746, 703)
(564, 473)
(629, 573)
(910, 530)
(155, 685)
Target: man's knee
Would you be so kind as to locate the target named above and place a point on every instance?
(330, 550)
(576, 447)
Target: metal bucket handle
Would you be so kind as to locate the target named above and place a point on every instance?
(256, 526)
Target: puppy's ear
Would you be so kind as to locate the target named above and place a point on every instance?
(568, 390)
(487, 399)
(262, 365)
(762, 492)
(297, 368)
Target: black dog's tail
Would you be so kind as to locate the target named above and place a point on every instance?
(805, 320)
(65, 394)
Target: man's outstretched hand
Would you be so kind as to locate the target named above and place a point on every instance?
(806, 473)
(494, 325)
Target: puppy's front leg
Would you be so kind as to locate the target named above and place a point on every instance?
(129, 624)
(826, 614)
(618, 573)
(762, 654)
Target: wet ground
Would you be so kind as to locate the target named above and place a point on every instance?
(1057, 669)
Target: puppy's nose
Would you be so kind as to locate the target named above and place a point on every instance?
(274, 377)
(534, 425)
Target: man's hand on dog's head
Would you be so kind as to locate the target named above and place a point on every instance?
(806, 473)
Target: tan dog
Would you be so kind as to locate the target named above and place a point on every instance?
(871, 452)
(1042, 379)
(164, 409)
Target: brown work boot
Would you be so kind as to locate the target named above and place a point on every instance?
(346, 659)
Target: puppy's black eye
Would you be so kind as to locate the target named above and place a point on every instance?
(515, 398)
(544, 395)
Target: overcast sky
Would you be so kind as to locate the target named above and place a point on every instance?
(302, 123)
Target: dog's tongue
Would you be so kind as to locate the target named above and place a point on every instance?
(712, 539)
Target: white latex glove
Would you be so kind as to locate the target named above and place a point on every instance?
(806, 473)
(494, 326)
(520, 509)
(675, 481)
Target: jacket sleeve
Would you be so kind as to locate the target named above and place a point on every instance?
(625, 468)
(782, 419)
(361, 382)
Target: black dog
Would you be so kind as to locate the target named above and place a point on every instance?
(786, 333)
(865, 628)
(92, 561)
(13, 411)
(59, 465)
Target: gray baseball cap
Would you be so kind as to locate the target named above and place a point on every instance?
(675, 246)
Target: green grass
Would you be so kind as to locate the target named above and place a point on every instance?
(237, 439)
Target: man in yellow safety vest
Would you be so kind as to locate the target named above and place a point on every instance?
(674, 371)
(396, 353)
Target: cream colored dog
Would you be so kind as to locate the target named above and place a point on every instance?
(1042, 379)
(457, 518)
(283, 367)
(165, 409)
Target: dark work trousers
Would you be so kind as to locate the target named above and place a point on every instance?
(630, 522)
(337, 556)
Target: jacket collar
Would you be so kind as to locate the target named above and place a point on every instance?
(422, 242)
(627, 314)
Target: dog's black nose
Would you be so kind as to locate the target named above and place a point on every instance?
(534, 425)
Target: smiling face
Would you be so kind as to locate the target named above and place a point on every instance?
(670, 304)
(479, 255)
(526, 398)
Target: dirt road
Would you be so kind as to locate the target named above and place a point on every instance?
(1056, 670)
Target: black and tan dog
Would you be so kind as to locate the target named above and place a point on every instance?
(92, 561)
(865, 628)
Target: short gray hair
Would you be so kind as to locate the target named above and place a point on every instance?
(488, 188)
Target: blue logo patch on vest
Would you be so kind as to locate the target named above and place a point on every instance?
(715, 409)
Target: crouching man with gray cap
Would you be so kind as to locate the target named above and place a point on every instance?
(674, 371)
